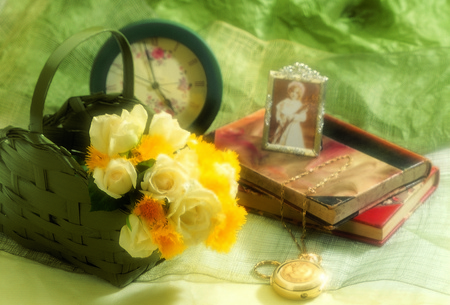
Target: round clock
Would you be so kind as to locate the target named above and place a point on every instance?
(175, 71)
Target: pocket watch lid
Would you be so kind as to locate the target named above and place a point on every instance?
(298, 275)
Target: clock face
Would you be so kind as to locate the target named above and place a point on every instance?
(175, 71)
(168, 77)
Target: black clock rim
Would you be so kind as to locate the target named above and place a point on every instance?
(163, 28)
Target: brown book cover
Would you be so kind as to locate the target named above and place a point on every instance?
(374, 226)
(378, 168)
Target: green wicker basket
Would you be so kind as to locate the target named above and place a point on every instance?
(44, 198)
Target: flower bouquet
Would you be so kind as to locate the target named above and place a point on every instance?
(142, 186)
(177, 189)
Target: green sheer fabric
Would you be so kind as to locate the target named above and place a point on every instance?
(388, 64)
(399, 96)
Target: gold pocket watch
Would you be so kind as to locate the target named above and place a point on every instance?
(302, 278)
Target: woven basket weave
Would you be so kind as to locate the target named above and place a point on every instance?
(44, 197)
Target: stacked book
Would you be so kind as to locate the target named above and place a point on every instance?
(368, 201)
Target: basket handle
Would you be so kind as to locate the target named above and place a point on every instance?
(55, 59)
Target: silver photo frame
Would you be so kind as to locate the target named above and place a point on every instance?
(293, 119)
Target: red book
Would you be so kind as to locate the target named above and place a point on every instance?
(377, 224)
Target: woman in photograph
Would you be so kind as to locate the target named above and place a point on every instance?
(290, 112)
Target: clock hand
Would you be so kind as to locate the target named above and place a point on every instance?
(160, 85)
(155, 84)
(167, 84)
(142, 78)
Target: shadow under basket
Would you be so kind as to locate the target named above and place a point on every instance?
(44, 195)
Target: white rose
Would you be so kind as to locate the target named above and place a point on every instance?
(195, 214)
(117, 178)
(165, 179)
(225, 169)
(163, 124)
(189, 159)
(137, 241)
(112, 134)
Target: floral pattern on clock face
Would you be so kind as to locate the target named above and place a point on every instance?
(168, 77)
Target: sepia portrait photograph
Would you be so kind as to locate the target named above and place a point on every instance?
(294, 116)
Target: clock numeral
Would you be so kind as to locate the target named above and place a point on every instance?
(154, 41)
(134, 49)
(111, 87)
(200, 83)
(193, 62)
(116, 69)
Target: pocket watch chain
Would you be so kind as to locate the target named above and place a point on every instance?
(311, 190)
(301, 278)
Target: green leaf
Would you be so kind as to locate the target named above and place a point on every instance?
(166, 205)
(134, 197)
(143, 166)
(140, 178)
(128, 222)
(100, 201)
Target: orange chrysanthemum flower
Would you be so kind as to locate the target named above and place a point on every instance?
(150, 147)
(96, 159)
(170, 243)
(151, 210)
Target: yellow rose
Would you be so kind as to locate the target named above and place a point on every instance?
(117, 178)
(163, 124)
(167, 178)
(194, 214)
(112, 134)
(137, 241)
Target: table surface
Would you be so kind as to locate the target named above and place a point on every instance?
(27, 282)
